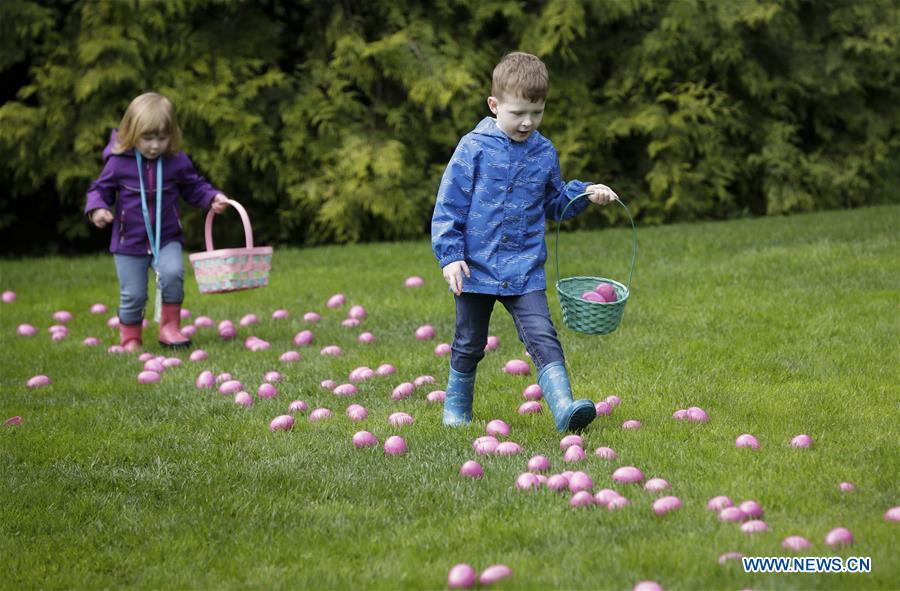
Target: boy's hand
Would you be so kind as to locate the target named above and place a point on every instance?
(453, 273)
(601, 194)
(101, 217)
(219, 203)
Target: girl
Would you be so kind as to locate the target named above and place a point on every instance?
(144, 174)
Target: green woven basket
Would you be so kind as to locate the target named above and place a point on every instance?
(584, 315)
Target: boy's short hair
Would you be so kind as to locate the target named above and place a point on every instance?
(521, 75)
(148, 113)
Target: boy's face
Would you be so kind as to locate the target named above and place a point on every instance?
(516, 116)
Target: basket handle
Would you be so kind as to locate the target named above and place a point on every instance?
(633, 237)
(248, 231)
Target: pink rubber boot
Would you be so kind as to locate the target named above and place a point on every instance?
(170, 327)
(130, 337)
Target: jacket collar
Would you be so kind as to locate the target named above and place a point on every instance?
(488, 127)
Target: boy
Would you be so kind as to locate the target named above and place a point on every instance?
(501, 184)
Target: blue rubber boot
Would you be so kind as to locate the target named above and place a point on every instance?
(458, 398)
(570, 415)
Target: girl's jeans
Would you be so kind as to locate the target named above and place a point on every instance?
(132, 272)
(528, 311)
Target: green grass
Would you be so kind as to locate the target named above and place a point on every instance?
(775, 326)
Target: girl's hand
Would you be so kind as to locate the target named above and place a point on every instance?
(601, 194)
(101, 217)
(219, 203)
(453, 275)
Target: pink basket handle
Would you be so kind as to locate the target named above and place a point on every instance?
(248, 231)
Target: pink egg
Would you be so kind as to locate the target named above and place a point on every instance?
(312, 317)
(529, 407)
(570, 440)
(90, 342)
(846, 487)
(297, 406)
(394, 445)
(364, 439)
(617, 503)
(747, 440)
(751, 509)
(538, 464)
(331, 350)
(533, 392)
(892, 514)
(38, 381)
(647, 586)
(9, 297)
(795, 543)
(26, 330)
(581, 498)
(580, 481)
(357, 312)
(266, 390)
(365, 338)
(98, 309)
(249, 319)
(603, 408)
(319, 414)
(148, 377)
(385, 369)
(422, 380)
(485, 445)
(336, 301)
(198, 355)
(398, 419)
(146, 356)
(58, 328)
(492, 343)
(154, 365)
(414, 281)
(593, 296)
(243, 399)
(613, 400)
(471, 469)
(185, 313)
(188, 330)
(203, 322)
(754, 526)
(839, 536)
(497, 428)
(607, 291)
(695, 414)
(718, 503)
(273, 377)
(724, 558)
(113, 323)
(280, 314)
(329, 385)
(680, 414)
(527, 481)
(574, 453)
(508, 448)
(436, 396)
(12, 421)
(631, 424)
(404, 390)
(732, 514)
(282, 423)
(558, 482)
(605, 495)
(607, 453)
(171, 362)
(229, 387)
(58, 336)
(62, 316)
(442, 349)
(656, 485)
(361, 374)
(517, 367)
(628, 474)
(289, 357)
(425, 332)
(494, 573)
(350, 322)
(206, 379)
(665, 504)
(461, 576)
(357, 412)
(801, 441)
(115, 349)
(303, 338)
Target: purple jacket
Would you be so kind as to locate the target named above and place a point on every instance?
(118, 184)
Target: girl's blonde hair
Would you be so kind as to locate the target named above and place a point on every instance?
(148, 113)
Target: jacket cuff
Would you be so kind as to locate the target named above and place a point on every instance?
(94, 201)
(450, 258)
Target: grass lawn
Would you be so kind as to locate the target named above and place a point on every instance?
(776, 327)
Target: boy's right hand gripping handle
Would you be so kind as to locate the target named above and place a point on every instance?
(248, 231)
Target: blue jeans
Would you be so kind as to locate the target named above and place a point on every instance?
(530, 314)
(132, 272)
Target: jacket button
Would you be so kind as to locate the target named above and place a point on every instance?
(504, 239)
(509, 189)
(505, 284)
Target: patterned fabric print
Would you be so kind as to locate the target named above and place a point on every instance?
(492, 206)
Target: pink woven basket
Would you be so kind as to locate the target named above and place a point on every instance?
(231, 269)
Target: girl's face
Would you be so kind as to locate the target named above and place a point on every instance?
(152, 144)
(516, 117)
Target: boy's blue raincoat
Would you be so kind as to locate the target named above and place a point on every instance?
(492, 207)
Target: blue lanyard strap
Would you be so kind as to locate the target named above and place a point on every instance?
(154, 243)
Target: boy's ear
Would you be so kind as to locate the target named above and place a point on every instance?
(492, 104)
